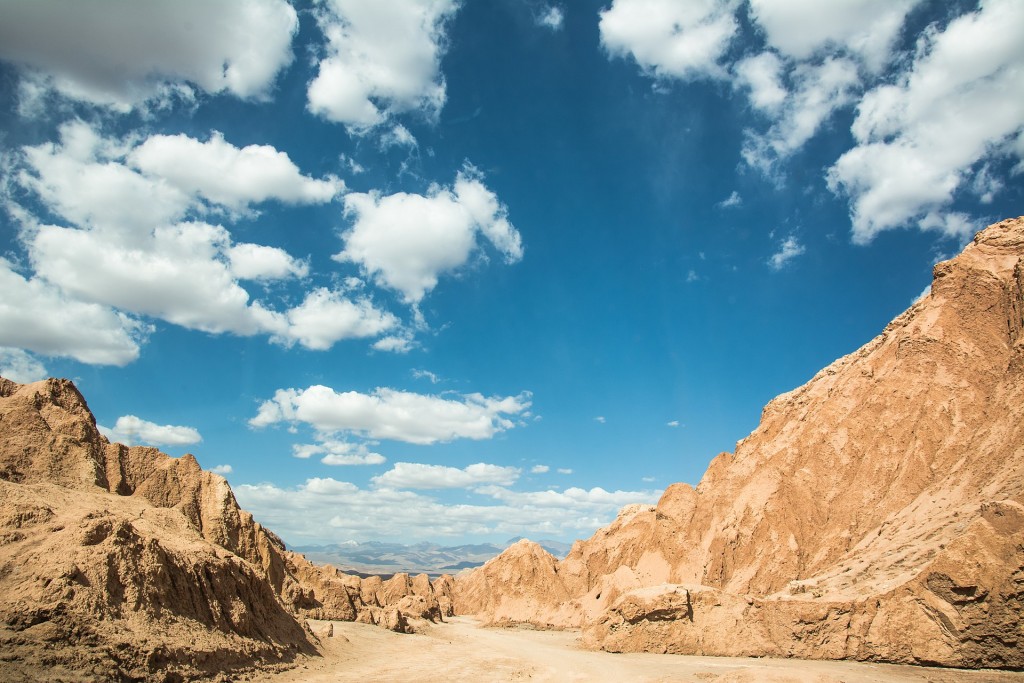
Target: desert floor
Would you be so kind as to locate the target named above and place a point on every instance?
(459, 650)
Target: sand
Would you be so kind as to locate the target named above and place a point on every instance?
(461, 650)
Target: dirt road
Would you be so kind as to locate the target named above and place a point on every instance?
(459, 650)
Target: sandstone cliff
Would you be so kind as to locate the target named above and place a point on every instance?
(123, 563)
(876, 513)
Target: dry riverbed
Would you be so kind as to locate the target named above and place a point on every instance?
(459, 650)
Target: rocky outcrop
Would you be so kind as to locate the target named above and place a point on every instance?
(874, 513)
(122, 563)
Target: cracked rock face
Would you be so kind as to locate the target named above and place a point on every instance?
(874, 514)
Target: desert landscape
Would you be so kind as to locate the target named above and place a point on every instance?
(876, 515)
(511, 340)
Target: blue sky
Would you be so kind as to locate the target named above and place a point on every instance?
(429, 270)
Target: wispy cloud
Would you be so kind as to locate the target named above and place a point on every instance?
(789, 249)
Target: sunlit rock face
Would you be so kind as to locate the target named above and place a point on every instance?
(123, 563)
(876, 513)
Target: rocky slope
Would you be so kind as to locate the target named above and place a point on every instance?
(122, 563)
(876, 513)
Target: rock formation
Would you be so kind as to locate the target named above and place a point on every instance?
(122, 563)
(876, 513)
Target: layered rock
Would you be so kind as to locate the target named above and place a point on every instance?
(122, 562)
(875, 512)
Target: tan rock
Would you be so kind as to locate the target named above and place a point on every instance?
(875, 512)
(131, 564)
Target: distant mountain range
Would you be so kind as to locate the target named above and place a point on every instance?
(376, 557)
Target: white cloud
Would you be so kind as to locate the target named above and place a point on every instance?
(408, 475)
(401, 343)
(383, 58)
(819, 90)
(668, 38)
(539, 469)
(116, 185)
(732, 200)
(789, 249)
(326, 510)
(673, 423)
(600, 418)
(398, 136)
(762, 74)
(83, 180)
(20, 367)
(222, 469)
(133, 252)
(337, 452)
(392, 414)
(552, 17)
(227, 175)
(120, 55)
(800, 28)
(130, 429)
(571, 496)
(919, 138)
(406, 241)
(258, 262)
(176, 276)
(36, 316)
(326, 317)
(427, 375)
(565, 470)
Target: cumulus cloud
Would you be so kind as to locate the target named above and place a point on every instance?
(670, 39)
(672, 423)
(762, 75)
(116, 185)
(392, 414)
(325, 317)
(337, 452)
(21, 367)
(37, 316)
(405, 242)
(130, 429)
(326, 510)
(789, 249)
(400, 343)
(121, 55)
(408, 475)
(258, 262)
(227, 175)
(920, 140)
(565, 470)
(800, 28)
(382, 58)
(132, 249)
(222, 469)
(540, 469)
(84, 179)
(600, 418)
(177, 276)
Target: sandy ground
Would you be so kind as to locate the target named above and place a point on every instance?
(459, 650)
